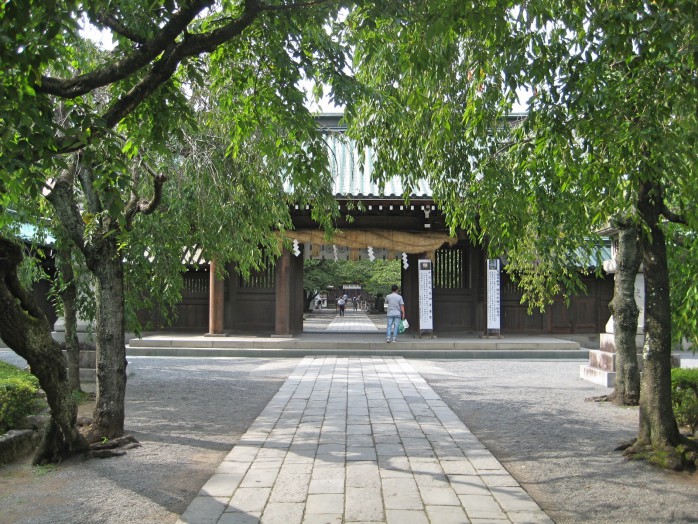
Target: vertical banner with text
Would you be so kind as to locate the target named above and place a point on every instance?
(493, 295)
(426, 320)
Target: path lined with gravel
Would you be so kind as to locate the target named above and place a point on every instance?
(189, 413)
(533, 416)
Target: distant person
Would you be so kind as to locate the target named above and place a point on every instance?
(341, 303)
(355, 302)
(395, 313)
(318, 304)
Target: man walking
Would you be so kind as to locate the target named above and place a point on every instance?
(396, 312)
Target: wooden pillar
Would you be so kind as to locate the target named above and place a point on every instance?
(282, 324)
(215, 302)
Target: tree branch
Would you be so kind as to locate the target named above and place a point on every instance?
(91, 197)
(136, 205)
(80, 85)
(61, 198)
(111, 23)
(673, 217)
(162, 69)
(289, 7)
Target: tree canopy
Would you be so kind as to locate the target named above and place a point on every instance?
(374, 276)
(610, 129)
(196, 111)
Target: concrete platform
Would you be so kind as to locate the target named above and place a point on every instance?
(355, 334)
(232, 346)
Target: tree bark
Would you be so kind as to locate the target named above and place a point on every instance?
(104, 261)
(107, 266)
(658, 428)
(625, 315)
(68, 294)
(26, 330)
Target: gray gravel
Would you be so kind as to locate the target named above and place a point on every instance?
(188, 413)
(533, 416)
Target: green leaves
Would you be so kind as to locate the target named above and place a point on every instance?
(374, 277)
(611, 100)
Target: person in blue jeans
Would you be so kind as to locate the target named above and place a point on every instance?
(395, 312)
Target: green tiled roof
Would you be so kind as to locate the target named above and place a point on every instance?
(353, 181)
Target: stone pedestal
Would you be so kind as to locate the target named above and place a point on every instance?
(85, 331)
(602, 366)
(602, 362)
(88, 355)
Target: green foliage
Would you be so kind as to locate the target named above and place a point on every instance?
(682, 251)
(226, 123)
(374, 277)
(684, 396)
(602, 115)
(17, 395)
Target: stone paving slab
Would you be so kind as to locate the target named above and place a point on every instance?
(360, 440)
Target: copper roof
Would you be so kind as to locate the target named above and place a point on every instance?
(352, 178)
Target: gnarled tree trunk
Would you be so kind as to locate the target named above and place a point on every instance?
(104, 261)
(26, 330)
(625, 314)
(107, 266)
(68, 294)
(658, 436)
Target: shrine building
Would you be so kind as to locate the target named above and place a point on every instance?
(272, 301)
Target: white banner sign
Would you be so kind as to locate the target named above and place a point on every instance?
(493, 295)
(426, 319)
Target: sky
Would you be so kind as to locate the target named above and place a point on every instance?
(104, 40)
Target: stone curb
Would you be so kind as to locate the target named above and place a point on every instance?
(16, 443)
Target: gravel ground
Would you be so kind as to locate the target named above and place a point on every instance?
(188, 413)
(533, 416)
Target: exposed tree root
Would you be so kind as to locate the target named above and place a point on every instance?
(624, 445)
(683, 457)
(102, 447)
(614, 399)
(602, 398)
(55, 446)
(113, 448)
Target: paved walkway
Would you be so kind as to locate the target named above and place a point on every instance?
(326, 320)
(360, 440)
(352, 321)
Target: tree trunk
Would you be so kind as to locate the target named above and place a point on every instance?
(625, 314)
(658, 428)
(104, 261)
(308, 301)
(108, 416)
(68, 294)
(25, 329)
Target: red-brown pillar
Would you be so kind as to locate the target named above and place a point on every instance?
(215, 302)
(282, 324)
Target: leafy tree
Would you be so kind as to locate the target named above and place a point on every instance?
(610, 131)
(93, 132)
(373, 277)
(317, 277)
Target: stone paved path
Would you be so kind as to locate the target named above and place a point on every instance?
(360, 440)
